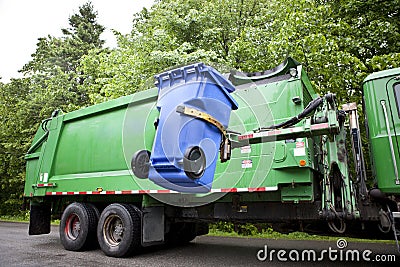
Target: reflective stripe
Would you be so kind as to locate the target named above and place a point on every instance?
(163, 191)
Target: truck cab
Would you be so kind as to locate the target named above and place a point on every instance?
(381, 93)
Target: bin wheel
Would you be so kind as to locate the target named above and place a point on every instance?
(119, 230)
(78, 226)
(194, 162)
(141, 164)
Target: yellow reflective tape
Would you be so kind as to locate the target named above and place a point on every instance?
(202, 115)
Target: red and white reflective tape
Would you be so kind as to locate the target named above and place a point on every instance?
(45, 185)
(165, 191)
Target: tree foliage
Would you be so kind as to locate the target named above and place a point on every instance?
(63, 54)
(338, 41)
(51, 82)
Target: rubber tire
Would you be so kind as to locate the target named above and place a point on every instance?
(86, 238)
(94, 244)
(96, 211)
(130, 217)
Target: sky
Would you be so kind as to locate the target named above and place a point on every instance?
(22, 22)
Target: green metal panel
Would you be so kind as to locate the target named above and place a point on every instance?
(378, 90)
(297, 193)
(91, 149)
(34, 160)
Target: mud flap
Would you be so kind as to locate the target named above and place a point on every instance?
(40, 217)
(153, 226)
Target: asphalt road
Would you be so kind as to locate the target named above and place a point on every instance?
(17, 248)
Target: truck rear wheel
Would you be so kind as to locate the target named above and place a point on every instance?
(119, 230)
(78, 226)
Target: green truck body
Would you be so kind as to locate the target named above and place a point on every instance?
(80, 165)
(89, 151)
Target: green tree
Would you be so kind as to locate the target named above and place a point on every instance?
(14, 141)
(372, 31)
(171, 33)
(54, 54)
(52, 82)
(339, 42)
(54, 64)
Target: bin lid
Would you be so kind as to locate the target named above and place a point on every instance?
(196, 72)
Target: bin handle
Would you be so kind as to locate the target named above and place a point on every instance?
(201, 115)
(225, 146)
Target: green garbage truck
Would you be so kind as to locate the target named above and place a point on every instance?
(158, 166)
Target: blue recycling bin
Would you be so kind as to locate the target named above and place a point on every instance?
(186, 148)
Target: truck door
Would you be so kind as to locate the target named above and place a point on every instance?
(392, 119)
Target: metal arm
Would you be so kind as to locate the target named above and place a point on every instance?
(328, 125)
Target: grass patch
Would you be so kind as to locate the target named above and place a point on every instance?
(226, 229)
(23, 216)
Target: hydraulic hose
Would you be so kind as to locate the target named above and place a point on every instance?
(312, 106)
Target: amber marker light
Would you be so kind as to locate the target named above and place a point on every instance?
(302, 162)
